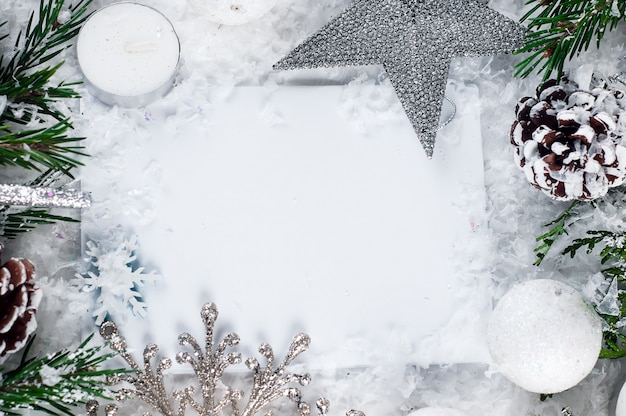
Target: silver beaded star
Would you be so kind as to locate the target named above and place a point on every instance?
(414, 40)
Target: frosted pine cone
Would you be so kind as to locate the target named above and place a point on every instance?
(568, 142)
(19, 300)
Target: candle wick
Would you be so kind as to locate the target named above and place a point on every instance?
(136, 47)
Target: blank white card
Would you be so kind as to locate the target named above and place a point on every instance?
(309, 209)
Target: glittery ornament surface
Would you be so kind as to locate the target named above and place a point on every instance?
(544, 337)
(43, 197)
(414, 41)
(270, 382)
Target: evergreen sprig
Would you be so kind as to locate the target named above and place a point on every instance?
(24, 81)
(559, 228)
(16, 223)
(559, 30)
(34, 130)
(35, 149)
(613, 255)
(59, 381)
(23, 77)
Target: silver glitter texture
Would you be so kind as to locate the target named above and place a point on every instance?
(209, 365)
(414, 40)
(93, 406)
(43, 197)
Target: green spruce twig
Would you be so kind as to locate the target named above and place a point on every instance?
(25, 83)
(17, 223)
(24, 78)
(559, 30)
(559, 228)
(613, 248)
(49, 147)
(613, 255)
(59, 381)
(34, 131)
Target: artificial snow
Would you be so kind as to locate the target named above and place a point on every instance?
(610, 305)
(436, 411)
(51, 376)
(232, 12)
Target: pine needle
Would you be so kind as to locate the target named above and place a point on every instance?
(612, 253)
(76, 376)
(34, 131)
(560, 30)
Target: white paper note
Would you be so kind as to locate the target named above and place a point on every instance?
(310, 209)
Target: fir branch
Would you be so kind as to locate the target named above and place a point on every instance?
(57, 382)
(25, 82)
(613, 254)
(559, 30)
(47, 178)
(22, 78)
(45, 147)
(31, 97)
(558, 229)
(612, 250)
(16, 223)
(6, 35)
(43, 39)
(614, 348)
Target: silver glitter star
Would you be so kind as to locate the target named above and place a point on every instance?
(414, 40)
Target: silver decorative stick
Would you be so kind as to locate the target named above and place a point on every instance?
(43, 197)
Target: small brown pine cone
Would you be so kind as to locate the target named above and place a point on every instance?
(19, 300)
(569, 142)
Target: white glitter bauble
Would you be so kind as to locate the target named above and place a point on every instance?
(544, 337)
(233, 12)
(436, 411)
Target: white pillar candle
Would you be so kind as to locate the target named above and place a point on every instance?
(233, 12)
(128, 54)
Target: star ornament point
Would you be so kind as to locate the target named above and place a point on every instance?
(414, 41)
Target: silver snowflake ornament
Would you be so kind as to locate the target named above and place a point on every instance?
(414, 40)
(211, 395)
